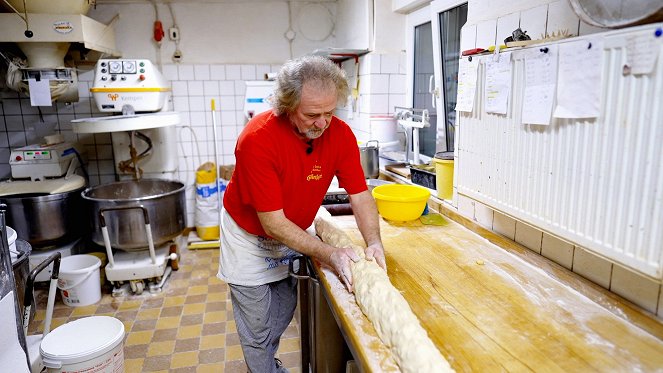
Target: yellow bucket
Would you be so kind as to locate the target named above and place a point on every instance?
(444, 178)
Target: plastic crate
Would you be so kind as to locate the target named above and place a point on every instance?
(423, 175)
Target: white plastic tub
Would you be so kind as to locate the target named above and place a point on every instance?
(91, 344)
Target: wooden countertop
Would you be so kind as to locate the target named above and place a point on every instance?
(488, 308)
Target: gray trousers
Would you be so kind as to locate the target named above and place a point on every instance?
(262, 313)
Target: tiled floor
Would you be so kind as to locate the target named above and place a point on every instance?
(188, 327)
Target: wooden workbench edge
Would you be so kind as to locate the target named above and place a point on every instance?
(616, 304)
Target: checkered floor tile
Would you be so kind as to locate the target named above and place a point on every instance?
(188, 327)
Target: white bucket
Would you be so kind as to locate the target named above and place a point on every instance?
(384, 129)
(90, 344)
(79, 280)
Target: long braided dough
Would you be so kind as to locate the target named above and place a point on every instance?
(396, 325)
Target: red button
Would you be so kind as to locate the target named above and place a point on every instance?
(19, 158)
(141, 77)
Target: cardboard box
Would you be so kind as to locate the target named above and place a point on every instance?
(226, 171)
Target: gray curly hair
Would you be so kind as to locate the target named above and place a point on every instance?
(316, 70)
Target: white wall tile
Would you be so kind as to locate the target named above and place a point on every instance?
(637, 288)
(592, 267)
(561, 17)
(104, 152)
(397, 83)
(483, 214)
(379, 83)
(262, 70)
(371, 65)
(169, 71)
(468, 37)
(248, 72)
(486, 33)
(533, 21)
(226, 88)
(240, 87)
(379, 104)
(389, 64)
(228, 104)
(106, 167)
(228, 118)
(11, 106)
(233, 72)
(197, 103)
(180, 88)
(195, 88)
(14, 123)
(466, 207)
(217, 72)
(528, 236)
(396, 100)
(504, 225)
(185, 72)
(181, 104)
(198, 118)
(506, 25)
(211, 88)
(27, 108)
(85, 74)
(16, 139)
(83, 107)
(557, 250)
(201, 72)
(84, 89)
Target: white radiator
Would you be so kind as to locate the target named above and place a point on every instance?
(596, 182)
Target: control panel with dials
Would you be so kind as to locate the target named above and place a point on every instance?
(136, 85)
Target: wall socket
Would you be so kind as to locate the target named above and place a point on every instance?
(174, 33)
(177, 56)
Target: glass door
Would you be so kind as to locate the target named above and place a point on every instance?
(421, 76)
(447, 20)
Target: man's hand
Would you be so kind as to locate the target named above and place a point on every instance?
(376, 251)
(340, 261)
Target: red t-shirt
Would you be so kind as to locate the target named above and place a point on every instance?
(273, 171)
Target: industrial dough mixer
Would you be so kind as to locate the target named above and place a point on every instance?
(140, 219)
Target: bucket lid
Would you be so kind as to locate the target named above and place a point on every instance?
(82, 339)
(79, 264)
(447, 156)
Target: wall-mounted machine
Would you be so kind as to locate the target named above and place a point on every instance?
(144, 136)
(44, 200)
(44, 30)
(257, 97)
(139, 220)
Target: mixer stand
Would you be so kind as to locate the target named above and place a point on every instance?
(132, 271)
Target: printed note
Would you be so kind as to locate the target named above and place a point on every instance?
(498, 83)
(467, 84)
(40, 92)
(540, 83)
(579, 79)
(641, 52)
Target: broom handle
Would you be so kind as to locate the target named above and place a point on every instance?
(216, 160)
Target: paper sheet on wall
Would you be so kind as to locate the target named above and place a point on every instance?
(579, 79)
(467, 84)
(540, 83)
(498, 83)
(641, 52)
(40, 92)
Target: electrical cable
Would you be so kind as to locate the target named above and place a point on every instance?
(83, 168)
(185, 156)
(177, 55)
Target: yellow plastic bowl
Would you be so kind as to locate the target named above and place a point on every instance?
(400, 202)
